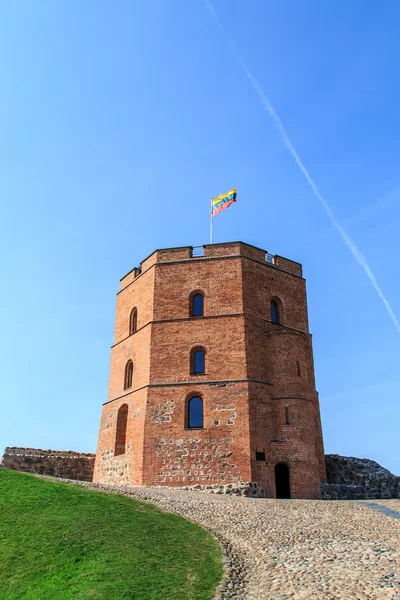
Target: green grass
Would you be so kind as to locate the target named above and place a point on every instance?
(64, 542)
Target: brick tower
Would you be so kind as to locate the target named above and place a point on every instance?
(212, 375)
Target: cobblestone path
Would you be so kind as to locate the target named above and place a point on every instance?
(385, 508)
(293, 549)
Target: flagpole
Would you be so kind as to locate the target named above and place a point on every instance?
(211, 222)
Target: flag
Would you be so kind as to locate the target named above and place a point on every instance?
(223, 201)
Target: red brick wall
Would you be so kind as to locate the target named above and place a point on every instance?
(140, 294)
(136, 348)
(262, 283)
(228, 249)
(127, 468)
(219, 281)
(223, 340)
(251, 374)
(288, 265)
(175, 455)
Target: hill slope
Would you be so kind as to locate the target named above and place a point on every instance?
(61, 541)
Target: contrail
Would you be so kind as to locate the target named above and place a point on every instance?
(286, 140)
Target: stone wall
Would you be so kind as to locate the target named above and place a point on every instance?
(248, 489)
(352, 478)
(349, 478)
(57, 463)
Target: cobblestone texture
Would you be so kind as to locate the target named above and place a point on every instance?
(292, 549)
(383, 508)
(393, 504)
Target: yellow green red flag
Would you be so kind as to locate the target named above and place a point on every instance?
(222, 202)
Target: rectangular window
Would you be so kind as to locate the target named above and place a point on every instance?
(287, 416)
(197, 251)
(198, 362)
(260, 456)
(269, 258)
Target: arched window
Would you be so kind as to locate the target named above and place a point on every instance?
(274, 312)
(133, 321)
(298, 369)
(195, 412)
(128, 375)
(197, 305)
(198, 361)
(120, 435)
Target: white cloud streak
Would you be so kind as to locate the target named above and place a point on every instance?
(286, 140)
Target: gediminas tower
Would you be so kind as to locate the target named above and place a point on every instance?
(212, 375)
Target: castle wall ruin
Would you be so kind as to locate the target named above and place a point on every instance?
(56, 463)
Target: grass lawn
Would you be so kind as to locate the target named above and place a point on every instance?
(64, 542)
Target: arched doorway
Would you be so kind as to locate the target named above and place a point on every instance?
(282, 481)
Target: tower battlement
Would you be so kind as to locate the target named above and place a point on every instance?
(212, 251)
(212, 375)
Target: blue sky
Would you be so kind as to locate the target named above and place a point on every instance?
(119, 121)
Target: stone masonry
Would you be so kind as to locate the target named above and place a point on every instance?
(258, 392)
(352, 478)
(349, 478)
(57, 463)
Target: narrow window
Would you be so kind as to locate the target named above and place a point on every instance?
(133, 321)
(197, 305)
(260, 456)
(120, 436)
(198, 361)
(274, 312)
(195, 412)
(298, 369)
(287, 416)
(128, 375)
